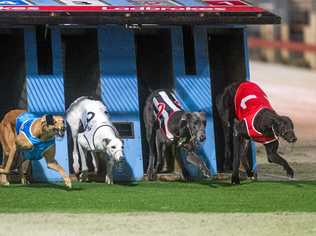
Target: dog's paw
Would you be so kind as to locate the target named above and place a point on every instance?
(290, 174)
(67, 182)
(235, 179)
(24, 181)
(83, 177)
(5, 184)
(108, 180)
(254, 177)
(150, 175)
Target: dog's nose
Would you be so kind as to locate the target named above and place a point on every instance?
(294, 140)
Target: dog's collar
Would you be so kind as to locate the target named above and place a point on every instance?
(183, 140)
(275, 136)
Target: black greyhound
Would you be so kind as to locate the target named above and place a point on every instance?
(246, 113)
(168, 124)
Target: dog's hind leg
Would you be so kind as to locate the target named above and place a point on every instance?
(83, 154)
(9, 147)
(3, 177)
(223, 105)
(74, 124)
(151, 139)
(160, 150)
(274, 157)
(75, 156)
(6, 169)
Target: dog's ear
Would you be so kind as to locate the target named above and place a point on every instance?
(49, 119)
(188, 116)
(185, 119)
(287, 120)
(106, 141)
(277, 125)
(183, 123)
(277, 121)
(202, 115)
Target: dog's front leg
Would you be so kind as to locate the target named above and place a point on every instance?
(24, 168)
(273, 156)
(195, 160)
(244, 146)
(53, 164)
(109, 170)
(95, 162)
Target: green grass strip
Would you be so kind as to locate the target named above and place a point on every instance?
(161, 197)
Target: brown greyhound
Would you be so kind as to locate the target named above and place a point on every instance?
(34, 137)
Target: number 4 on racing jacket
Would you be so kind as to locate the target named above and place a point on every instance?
(249, 101)
(165, 105)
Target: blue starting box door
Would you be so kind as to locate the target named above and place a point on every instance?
(119, 92)
(194, 91)
(45, 95)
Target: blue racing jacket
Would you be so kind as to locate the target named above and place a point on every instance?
(23, 125)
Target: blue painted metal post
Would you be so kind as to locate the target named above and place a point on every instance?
(45, 94)
(246, 58)
(194, 91)
(120, 92)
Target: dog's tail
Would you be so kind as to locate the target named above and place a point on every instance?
(1, 149)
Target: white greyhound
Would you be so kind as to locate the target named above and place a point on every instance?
(99, 135)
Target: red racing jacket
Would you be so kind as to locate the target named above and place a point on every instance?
(249, 100)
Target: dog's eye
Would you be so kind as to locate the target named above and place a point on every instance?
(113, 147)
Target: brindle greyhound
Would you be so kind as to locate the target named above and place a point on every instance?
(253, 119)
(186, 129)
(35, 138)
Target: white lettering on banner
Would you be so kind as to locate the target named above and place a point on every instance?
(155, 3)
(7, 3)
(14, 3)
(246, 99)
(227, 3)
(95, 8)
(147, 8)
(83, 2)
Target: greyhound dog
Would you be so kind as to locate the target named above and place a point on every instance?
(78, 115)
(246, 106)
(99, 135)
(34, 137)
(168, 124)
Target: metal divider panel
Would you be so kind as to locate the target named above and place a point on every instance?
(194, 91)
(45, 94)
(253, 144)
(120, 93)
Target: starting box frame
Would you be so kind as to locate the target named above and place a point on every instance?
(207, 50)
